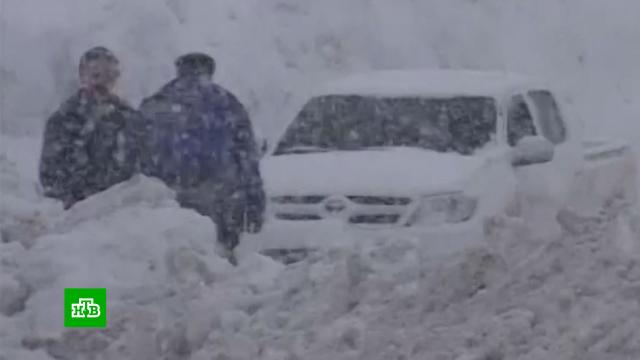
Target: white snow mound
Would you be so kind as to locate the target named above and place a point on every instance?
(154, 258)
(171, 297)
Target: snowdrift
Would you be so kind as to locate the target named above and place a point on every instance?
(156, 260)
(171, 297)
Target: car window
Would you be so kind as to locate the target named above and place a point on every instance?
(519, 120)
(551, 123)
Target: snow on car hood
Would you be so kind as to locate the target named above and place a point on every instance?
(394, 171)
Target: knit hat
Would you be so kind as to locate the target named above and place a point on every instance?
(195, 64)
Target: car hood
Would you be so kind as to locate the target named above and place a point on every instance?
(394, 171)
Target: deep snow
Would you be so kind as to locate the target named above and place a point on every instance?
(172, 297)
(395, 172)
(574, 297)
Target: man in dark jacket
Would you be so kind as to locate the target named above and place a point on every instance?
(203, 147)
(94, 140)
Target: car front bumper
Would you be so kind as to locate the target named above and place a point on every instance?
(326, 234)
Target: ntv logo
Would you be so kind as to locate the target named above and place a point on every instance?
(85, 308)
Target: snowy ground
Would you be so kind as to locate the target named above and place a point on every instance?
(171, 297)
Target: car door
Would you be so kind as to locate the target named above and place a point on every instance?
(568, 154)
(542, 187)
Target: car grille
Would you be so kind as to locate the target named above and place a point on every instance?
(380, 200)
(305, 199)
(378, 219)
(300, 217)
(354, 209)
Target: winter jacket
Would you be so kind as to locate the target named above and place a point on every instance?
(90, 144)
(202, 138)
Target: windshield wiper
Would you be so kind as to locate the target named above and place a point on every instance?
(302, 150)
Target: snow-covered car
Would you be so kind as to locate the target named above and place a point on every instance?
(437, 154)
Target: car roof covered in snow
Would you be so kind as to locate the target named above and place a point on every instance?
(436, 83)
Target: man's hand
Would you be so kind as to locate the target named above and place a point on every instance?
(253, 220)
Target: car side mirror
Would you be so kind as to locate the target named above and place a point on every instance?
(532, 150)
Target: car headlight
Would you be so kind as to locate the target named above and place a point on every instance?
(443, 209)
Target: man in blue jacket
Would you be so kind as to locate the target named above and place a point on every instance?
(203, 147)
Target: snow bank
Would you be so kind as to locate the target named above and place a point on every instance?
(171, 297)
(571, 298)
(23, 212)
(156, 260)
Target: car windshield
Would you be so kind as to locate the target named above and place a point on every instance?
(330, 123)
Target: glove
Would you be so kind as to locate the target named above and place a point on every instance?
(253, 220)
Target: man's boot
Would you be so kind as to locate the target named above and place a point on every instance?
(222, 250)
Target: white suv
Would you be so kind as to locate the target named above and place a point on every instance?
(434, 154)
